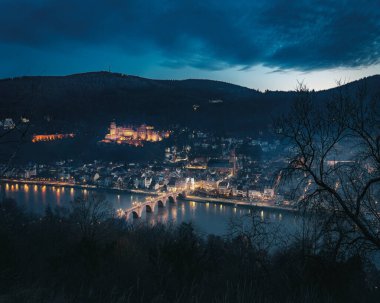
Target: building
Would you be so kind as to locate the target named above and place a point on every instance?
(134, 135)
(171, 186)
(8, 124)
(147, 182)
(221, 165)
(51, 137)
(190, 183)
(254, 193)
(269, 192)
(239, 191)
(224, 187)
(30, 172)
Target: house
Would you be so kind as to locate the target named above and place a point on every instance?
(220, 165)
(223, 187)
(154, 185)
(269, 192)
(254, 193)
(190, 183)
(120, 183)
(239, 191)
(8, 124)
(171, 186)
(96, 177)
(147, 182)
(30, 172)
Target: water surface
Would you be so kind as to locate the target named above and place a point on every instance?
(207, 217)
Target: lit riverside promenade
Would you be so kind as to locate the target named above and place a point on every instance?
(151, 203)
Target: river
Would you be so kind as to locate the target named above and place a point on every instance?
(208, 218)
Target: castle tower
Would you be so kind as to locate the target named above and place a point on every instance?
(113, 129)
(233, 160)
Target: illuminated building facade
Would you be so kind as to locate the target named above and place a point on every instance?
(134, 135)
(52, 137)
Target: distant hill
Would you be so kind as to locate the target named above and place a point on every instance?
(92, 100)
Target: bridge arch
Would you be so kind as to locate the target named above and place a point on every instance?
(171, 199)
(161, 203)
(134, 213)
(149, 208)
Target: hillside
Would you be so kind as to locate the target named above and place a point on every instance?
(93, 99)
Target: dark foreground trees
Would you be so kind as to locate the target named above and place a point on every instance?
(12, 137)
(334, 162)
(58, 258)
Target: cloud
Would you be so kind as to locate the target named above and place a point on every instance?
(208, 34)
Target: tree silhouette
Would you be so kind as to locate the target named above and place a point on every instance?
(334, 159)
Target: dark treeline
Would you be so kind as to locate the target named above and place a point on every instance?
(89, 101)
(81, 255)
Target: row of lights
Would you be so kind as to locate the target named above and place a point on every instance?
(35, 188)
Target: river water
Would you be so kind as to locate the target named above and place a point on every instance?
(208, 218)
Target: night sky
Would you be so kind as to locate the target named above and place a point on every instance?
(260, 44)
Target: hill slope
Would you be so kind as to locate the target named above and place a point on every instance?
(93, 99)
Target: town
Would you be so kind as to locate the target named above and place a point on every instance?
(201, 163)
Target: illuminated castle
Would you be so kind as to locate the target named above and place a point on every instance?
(134, 136)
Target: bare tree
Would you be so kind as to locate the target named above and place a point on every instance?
(255, 230)
(334, 161)
(89, 212)
(13, 136)
(11, 141)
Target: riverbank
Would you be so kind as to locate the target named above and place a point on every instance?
(238, 203)
(224, 201)
(79, 186)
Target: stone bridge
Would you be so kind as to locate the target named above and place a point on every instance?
(150, 205)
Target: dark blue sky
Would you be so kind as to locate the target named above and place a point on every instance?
(261, 44)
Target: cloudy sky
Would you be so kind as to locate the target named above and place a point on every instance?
(260, 44)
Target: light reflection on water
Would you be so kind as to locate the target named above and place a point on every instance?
(207, 217)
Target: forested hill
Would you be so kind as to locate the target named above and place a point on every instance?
(96, 98)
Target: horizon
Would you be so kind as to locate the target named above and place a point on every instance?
(204, 79)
